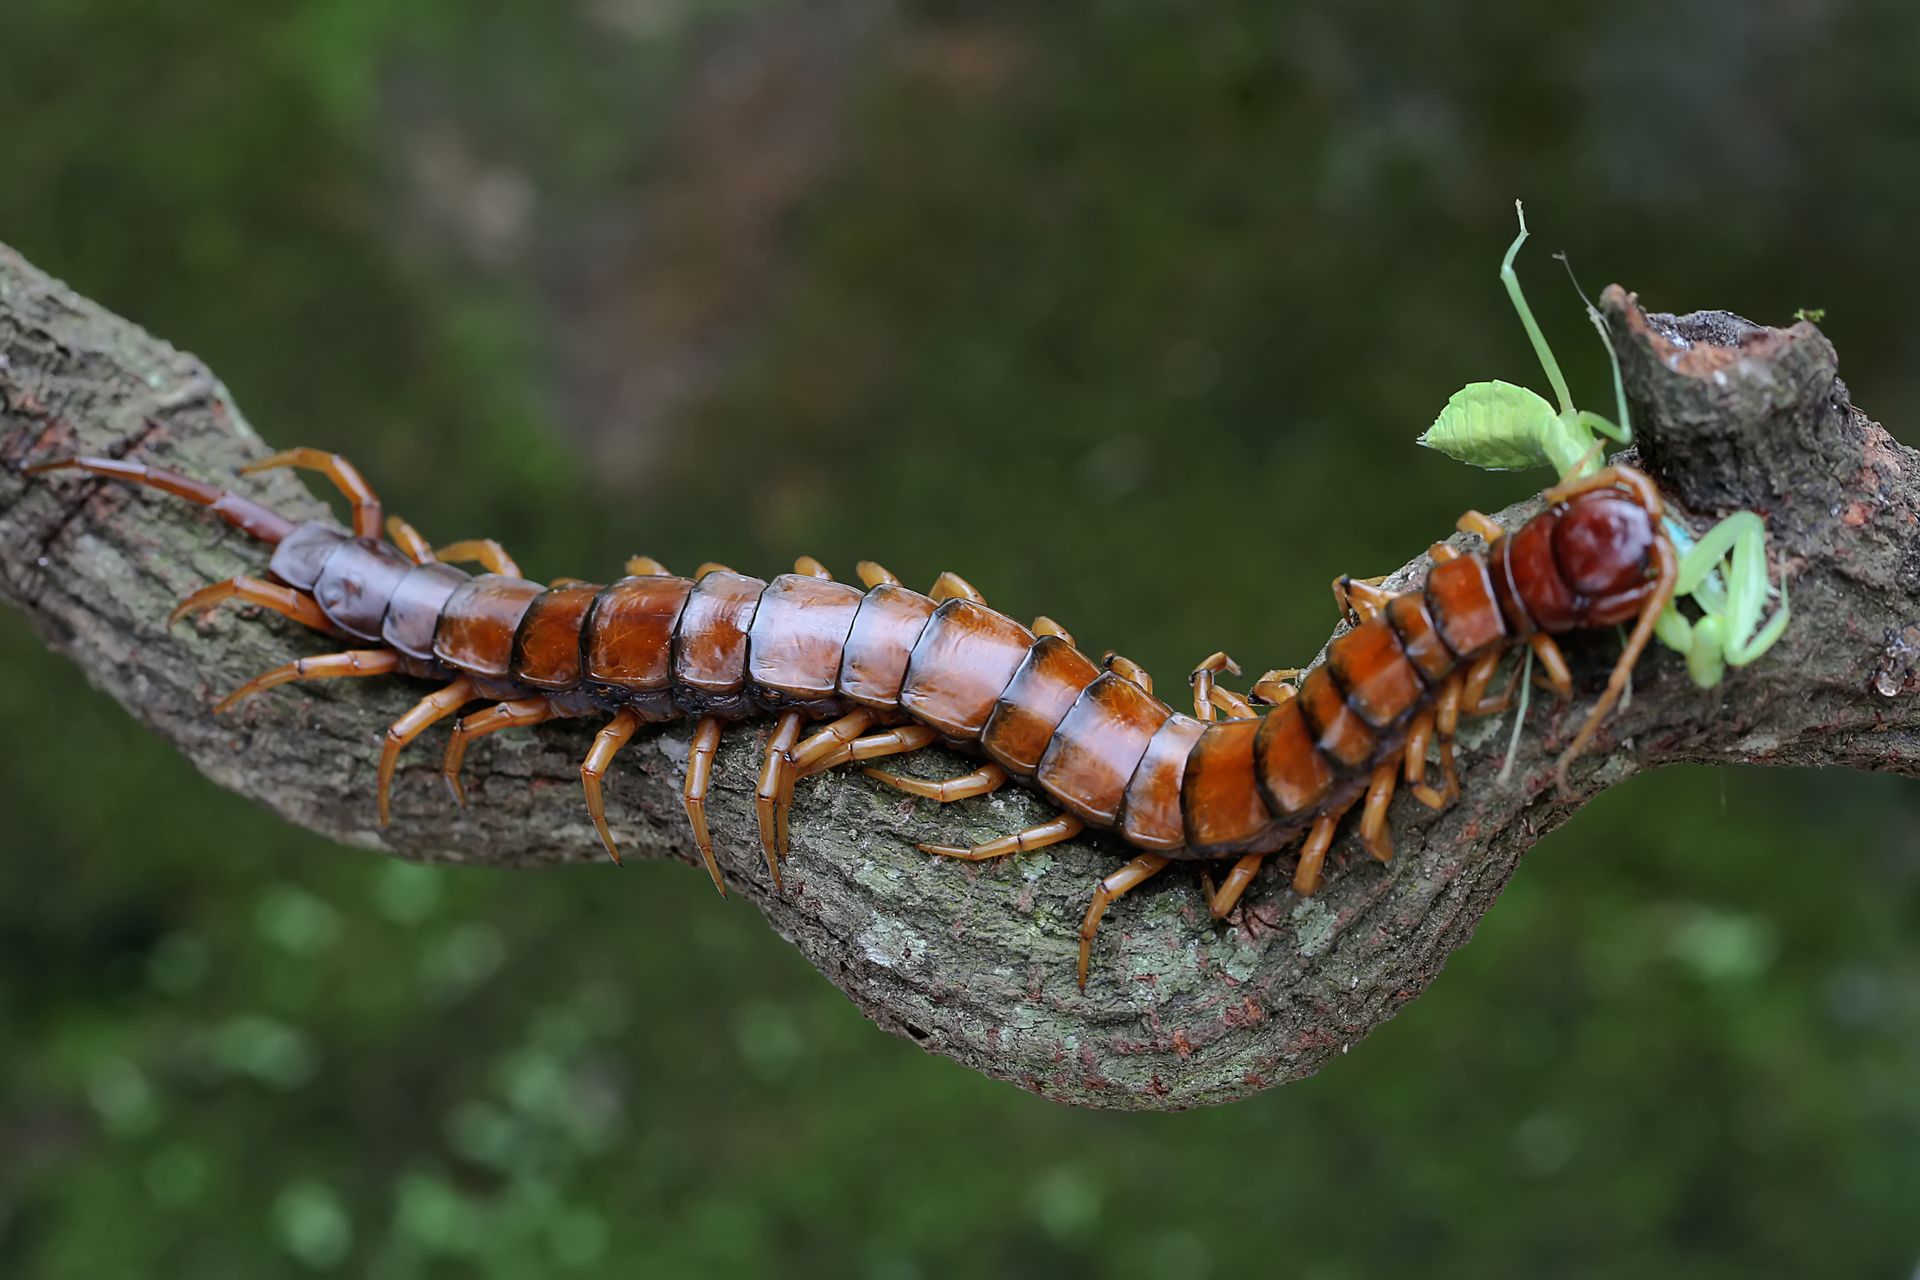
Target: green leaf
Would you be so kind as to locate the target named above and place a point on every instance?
(1494, 425)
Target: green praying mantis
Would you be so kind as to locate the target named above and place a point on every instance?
(1501, 427)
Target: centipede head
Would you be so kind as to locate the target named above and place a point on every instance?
(1603, 546)
(1611, 550)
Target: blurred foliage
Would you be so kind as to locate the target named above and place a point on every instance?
(1128, 311)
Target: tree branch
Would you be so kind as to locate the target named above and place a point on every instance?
(976, 962)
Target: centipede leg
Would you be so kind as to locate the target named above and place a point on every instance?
(1554, 672)
(501, 715)
(873, 575)
(1276, 686)
(345, 476)
(1373, 817)
(331, 666)
(951, 586)
(809, 567)
(1128, 669)
(706, 741)
(1360, 598)
(776, 773)
(1223, 900)
(646, 567)
(428, 711)
(613, 735)
(276, 596)
(1306, 877)
(1489, 529)
(1045, 626)
(1473, 694)
(485, 552)
(1063, 827)
(875, 746)
(986, 779)
(410, 541)
(1109, 891)
(1419, 736)
(829, 742)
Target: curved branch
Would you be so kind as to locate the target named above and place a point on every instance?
(976, 962)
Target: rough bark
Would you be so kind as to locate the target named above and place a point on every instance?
(976, 962)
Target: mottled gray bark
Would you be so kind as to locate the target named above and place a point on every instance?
(976, 962)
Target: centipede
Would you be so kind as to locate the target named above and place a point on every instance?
(880, 670)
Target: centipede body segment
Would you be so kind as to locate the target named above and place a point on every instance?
(887, 670)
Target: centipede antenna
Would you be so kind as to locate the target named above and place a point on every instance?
(242, 513)
(1623, 669)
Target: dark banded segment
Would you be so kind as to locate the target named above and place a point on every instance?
(1294, 776)
(356, 584)
(1098, 745)
(1150, 815)
(962, 664)
(1220, 803)
(1380, 683)
(547, 647)
(799, 636)
(476, 628)
(1036, 700)
(414, 612)
(886, 628)
(1459, 596)
(1419, 637)
(1338, 731)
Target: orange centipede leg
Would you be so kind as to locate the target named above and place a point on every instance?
(646, 567)
(429, 710)
(875, 746)
(1223, 900)
(485, 552)
(1111, 890)
(1128, 669)
(1419, 736)
(345, 476)
(1063, 827)
(613, 735)
(829, 741)
(1306, 877)
(951, 586)
(706, 741)
(1202, 682)
(1489, 529)
(331, 666)
(409, 540)
(1373, 817)
(501, 715)
(1045, 626)
(282, 599)
(1554, 673)
(872, 574)
(985, 780)
(1360, 598)
(775, 781)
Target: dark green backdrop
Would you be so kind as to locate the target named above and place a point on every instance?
(1129, 312)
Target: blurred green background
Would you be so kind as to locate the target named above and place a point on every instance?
(1128, 311)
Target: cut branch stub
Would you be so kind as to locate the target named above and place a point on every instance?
(975, 962)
